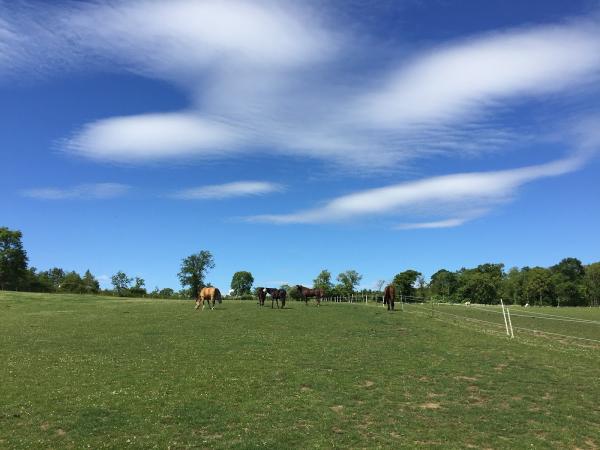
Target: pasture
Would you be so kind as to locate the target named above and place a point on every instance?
(81, 371)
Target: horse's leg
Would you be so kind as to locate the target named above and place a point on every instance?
(213, 302)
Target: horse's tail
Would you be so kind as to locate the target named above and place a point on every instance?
(217, 294)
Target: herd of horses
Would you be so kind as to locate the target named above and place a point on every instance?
(212, 295)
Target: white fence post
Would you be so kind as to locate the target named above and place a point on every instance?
(504, 315)
(512, 335)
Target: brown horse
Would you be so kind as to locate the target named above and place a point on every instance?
(389, 296)
(307, 293)
(276, 295)
(208, 294)
(261, 293)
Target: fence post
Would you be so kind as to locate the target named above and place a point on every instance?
(504, 315)
(512, 334)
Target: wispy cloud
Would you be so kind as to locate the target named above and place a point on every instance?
(268, 77)
(447, 223)
(228, 190)
(454, 82)
(99, 191)
(466, 192)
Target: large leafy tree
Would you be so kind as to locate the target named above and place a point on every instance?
(13, 260)
(138, 289)
(443, 283)
(120, 282)
(591, 284)
(405, 282)
(568, 281)
(323, 281)
(539, 287)
(193, 271)
(513, 286)
(242, 282)
(72, 282)
(348, 280)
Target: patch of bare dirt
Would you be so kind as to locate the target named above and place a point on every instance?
(465, 378)
(430, 405)
(367, 383)
(337, 408)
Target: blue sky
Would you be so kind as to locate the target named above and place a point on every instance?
(287, 138)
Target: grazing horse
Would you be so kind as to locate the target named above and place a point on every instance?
(276, 295)
(208, 294)
(389, 296)
(307, 293)
(261, 293)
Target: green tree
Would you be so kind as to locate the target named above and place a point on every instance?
(323, 281)
(55, 276)
(193, 271)
(568, 282)
(120, 282)
(591, 284)
(348, 280)
(37, 282)
(13, 260)
(539, 288)
(90, 283)
(166, 293)
(72, 283)
(512, 286)
(443, 284)
(138, 289)
(242, 282)
(405, 282)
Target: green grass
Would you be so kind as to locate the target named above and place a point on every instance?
(83, 371)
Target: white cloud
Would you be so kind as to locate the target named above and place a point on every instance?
(268, 76)
(467, 192)
(151, 136)
(227, 190)
(454, 82)
(447, 223)
(99, 191)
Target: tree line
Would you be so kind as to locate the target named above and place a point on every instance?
(568, 283)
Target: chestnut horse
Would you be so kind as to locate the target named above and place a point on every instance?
(389, 296)
(307, 293)
(208, 294)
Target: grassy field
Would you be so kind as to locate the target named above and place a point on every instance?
(100, 372)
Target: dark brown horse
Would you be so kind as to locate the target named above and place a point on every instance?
(261, 293)
(276, 295)
(307, 293)
(208, 294)
(389, 295)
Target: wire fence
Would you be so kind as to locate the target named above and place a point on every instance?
(533, 323)
(536, 324)
(490, 317)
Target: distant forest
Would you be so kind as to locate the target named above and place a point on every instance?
(567, 283)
